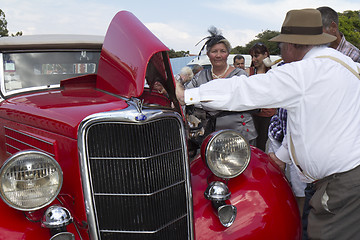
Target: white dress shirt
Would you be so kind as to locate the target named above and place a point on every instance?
(322, 98)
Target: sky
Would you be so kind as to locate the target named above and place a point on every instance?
(180, 25)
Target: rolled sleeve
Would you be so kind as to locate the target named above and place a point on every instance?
(283, 153)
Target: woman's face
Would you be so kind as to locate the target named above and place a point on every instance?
(218, 54)
(257, 59)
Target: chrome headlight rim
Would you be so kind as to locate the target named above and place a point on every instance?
(206, 152)
(10, 162)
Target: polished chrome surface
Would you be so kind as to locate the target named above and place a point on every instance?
(217, 191)
(227, 153)
(227, 215)
(131, 179)
(55, 217)
(30, 180)
(63, 236)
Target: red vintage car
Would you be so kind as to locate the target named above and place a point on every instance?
(93, 145)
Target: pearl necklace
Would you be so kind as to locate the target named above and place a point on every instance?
(221, 75)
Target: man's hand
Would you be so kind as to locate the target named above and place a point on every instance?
(180, 93)
(280, 163)
(266, 112)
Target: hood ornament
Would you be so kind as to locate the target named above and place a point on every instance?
(139, 107)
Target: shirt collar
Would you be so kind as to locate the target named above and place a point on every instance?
(315, 51)
(342, 42)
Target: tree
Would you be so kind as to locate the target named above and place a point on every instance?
(4, 32)
(349, 25)
(239, 50)
(264, 38)
(3, 25)
(173, 54)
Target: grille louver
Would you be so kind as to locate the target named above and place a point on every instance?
(139, 181)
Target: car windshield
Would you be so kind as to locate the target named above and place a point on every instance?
(35, 70)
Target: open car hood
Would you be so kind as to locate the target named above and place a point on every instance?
(127, 49)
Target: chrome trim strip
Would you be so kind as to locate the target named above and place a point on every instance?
(146, 232)
(6, 144)
(139, 194)
(29, 145)
(31, 89)
(126, 115)
(135, 158)
(2, 75)
(41, 140)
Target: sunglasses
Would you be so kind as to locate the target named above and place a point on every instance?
(258, 44)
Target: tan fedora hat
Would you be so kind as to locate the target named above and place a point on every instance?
(304, 27)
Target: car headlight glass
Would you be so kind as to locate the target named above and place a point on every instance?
(30, 180)
(227, 154)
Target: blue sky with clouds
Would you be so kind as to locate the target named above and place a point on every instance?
(179, 24)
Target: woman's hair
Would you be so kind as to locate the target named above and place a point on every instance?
(187, 73)
(259, 48)
(214, 38)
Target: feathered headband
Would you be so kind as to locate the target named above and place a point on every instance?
(214, 38)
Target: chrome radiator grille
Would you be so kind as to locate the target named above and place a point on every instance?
(139, 181)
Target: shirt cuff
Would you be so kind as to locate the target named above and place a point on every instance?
(192, 96)
(283, 154)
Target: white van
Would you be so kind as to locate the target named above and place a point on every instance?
(204, 61)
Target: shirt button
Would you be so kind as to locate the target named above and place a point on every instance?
(242, 116)
(243, 124)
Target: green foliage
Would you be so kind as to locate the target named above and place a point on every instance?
(239, 50)
(173, 54)
(3, 26)
(264, 38)
(17, 34)
(349, 25)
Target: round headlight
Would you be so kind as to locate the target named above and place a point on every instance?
(30, 180)
(227, 153)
